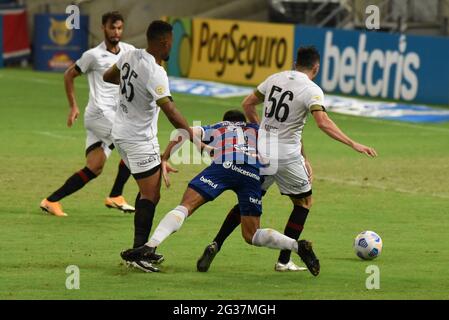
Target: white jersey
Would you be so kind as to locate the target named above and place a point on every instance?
(103, 96)
(288, 98)
(142, 83)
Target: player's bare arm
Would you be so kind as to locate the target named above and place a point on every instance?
(112, 75)
(330, 128)
(249, 106)
(172, 147)
(69, 75)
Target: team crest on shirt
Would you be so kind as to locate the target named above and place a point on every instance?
(160, 90)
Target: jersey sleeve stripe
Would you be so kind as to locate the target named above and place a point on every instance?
(77, 68)
(317, 107)
(259, 95)
(163, 100)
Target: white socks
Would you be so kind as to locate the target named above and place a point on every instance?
(273, 239)
(171, 223)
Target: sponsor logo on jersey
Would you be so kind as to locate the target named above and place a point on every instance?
(255, 201)
(209, 182)
(270, 128)
(227, 164)
(124, 108)
(230, 165)
(146, 161)
(160, 90)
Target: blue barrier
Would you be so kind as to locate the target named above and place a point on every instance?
(55, 46)
(380, 65)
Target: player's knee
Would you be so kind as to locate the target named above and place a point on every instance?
(248, 237)
(96, 168)
(304, 202)
(248, 234)
(157, 197)
(152, 196)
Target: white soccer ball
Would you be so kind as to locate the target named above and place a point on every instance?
(367, 245)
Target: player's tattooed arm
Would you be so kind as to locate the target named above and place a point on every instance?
(112, 75)
(249, 106)
(330, 128)
(69, 75)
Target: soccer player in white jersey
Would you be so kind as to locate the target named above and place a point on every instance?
(98, 117)
(288, 97)
(144, 91)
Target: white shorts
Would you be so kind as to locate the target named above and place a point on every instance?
(98, 134)
(292, 179)
(140, 157)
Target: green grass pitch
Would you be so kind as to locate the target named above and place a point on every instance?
(403, 195)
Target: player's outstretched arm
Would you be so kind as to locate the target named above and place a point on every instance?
(171, 148)
(330, 128)
(249, 107)
(175, 117)
(112, 75)
(69, 75)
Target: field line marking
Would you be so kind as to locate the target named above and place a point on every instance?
(53, 135)
(379, 187)
(398, 124)
(44, 81)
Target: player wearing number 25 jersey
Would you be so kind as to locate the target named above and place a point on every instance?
(144, 92)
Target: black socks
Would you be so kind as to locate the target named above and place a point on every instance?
(293, 229)
(143, 221)
(122, 176)
(231, 222)
(73, 184)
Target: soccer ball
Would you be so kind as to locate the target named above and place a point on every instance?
(367, 245)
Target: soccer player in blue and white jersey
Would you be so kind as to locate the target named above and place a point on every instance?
(288, 97)
(235, 167)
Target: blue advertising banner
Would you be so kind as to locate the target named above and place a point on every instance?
(1, 41)
(380, 65)
(55, 46)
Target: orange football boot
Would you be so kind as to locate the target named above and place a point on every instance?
(118, 203)
(53, 208)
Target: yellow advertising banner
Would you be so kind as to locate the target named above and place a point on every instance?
(240, 51)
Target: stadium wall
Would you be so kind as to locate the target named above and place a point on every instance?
(380, 65)
(230, 50)
(370, 64)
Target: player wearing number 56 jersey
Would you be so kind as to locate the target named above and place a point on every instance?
(288, 97)
(144, 91)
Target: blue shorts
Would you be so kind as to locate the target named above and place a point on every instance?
(243, 179)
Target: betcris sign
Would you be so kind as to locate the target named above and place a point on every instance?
(380, 65)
